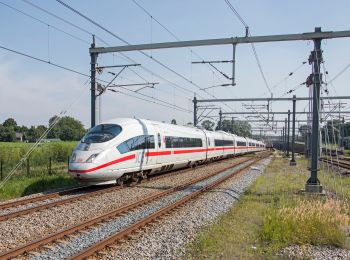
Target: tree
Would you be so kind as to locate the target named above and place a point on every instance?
(67, 129)
(208, 125)
(173, 122)
(35, 133)
(7, 134)
(241, 128)
(10, 122)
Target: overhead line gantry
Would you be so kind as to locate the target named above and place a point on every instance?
(313, 184)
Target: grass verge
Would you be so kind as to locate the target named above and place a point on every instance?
(273, 214)
(26, 185)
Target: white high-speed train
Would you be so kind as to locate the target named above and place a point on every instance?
(125, 148)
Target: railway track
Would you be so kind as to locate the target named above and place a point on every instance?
(342, 163)
(193, 189)
(51, 200)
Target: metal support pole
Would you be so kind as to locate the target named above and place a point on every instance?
(288, 133)
(292, 161)
(339, 126)
(220, 120)
(285, 135)
(233, 64)
(342, 133)
(195, 108)
(283, 138)
(93, 83)
(313, 184)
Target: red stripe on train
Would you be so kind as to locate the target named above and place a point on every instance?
(149, 154)
(123, 159)
(157, 153)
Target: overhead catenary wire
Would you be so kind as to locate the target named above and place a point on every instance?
(57, 65)
(253, 47)
(56, 28)
(142, 52)
(252, 44)
(172, 34)
(45, 61)
(45, 23)
(106, 43)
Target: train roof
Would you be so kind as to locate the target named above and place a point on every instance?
(124, 120)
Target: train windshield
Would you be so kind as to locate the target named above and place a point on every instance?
(102, 133)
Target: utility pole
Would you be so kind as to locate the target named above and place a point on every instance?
(313, 184)
(288, 133)
(342, 133)
(292, 161)
(285, 136)
(195, 111)
(233, 64)
(93, 83)
(220, 120)
(283, 139)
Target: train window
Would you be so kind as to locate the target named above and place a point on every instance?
(159, 141)
(102, 133)
(240, 143)
(182, 142)
(140, 142)
(223, 142)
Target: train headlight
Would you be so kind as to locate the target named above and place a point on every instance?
(73, 158)
(91, 158)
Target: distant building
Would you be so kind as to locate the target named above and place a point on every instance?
(20, 137)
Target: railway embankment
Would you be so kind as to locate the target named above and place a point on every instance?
(275, 220)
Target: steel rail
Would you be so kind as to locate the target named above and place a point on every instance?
(70, 230)
(42, 197)
(77, 198)
(56, 203)
(338, 163)
(141, 223)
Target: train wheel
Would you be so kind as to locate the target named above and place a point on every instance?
(120, 182)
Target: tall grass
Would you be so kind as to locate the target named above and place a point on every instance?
(309, 221)
(272, 214)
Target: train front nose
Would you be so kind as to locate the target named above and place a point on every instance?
(83, 164)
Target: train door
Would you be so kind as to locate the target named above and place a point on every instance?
(206, 144)
(159, 144)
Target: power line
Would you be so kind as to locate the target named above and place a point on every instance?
(236, 13)
(171, 33)
(127, 43)
(79, 73)
(252, 44)
(104, 42)
(45, 61)
(150, 101)
(42, 22)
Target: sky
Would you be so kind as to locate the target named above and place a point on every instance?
(32, 91)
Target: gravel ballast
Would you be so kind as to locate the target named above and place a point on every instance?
(168, 239)
(101, 232)
(21, 230)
